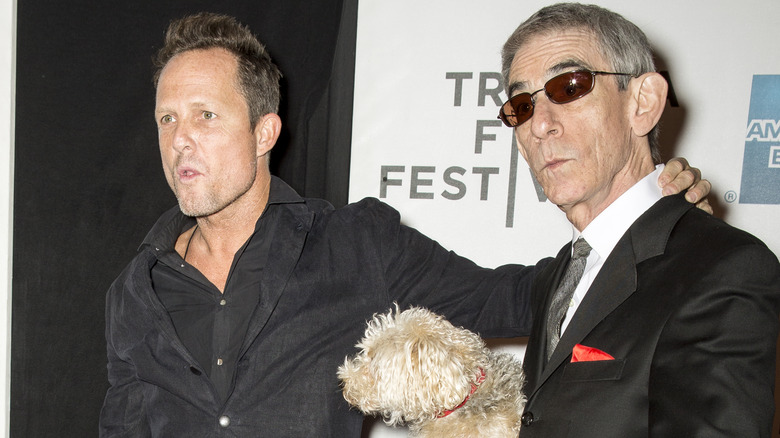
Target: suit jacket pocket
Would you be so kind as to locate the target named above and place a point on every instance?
(593, 370)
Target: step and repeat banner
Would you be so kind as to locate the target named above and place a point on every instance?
(427, 141)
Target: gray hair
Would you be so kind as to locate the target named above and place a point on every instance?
(623, 44)
(258, 77)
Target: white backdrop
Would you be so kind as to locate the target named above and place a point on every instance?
(426, 139)
(7, 87)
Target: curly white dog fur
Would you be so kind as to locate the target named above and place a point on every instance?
(416, 368)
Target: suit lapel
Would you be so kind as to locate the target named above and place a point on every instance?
(546, 282)
(616, 281)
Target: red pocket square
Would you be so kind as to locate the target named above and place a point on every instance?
(582, 353)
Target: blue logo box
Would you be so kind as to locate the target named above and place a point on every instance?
(761, 163)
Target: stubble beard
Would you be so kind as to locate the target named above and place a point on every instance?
(212, 201)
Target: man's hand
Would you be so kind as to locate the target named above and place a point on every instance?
(678, 176)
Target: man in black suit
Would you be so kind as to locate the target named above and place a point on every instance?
(663, 321)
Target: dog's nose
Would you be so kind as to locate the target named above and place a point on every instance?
(527, 419)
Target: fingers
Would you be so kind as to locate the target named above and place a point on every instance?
(679, 176)
(705, 206)
(671, 170)
(698, 195)
(688, 179)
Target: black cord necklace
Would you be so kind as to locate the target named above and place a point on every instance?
(187, 249)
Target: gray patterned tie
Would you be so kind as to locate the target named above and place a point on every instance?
(562, 297)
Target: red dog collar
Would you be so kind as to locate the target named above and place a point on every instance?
(474, 386)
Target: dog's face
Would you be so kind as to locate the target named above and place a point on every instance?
(412, 367)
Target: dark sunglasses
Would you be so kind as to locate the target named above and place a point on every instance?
(564, 88)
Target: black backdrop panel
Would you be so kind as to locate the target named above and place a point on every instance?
(88, 183)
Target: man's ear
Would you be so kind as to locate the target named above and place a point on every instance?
(266, 133)
(649, 91)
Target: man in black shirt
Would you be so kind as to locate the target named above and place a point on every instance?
(244, 299)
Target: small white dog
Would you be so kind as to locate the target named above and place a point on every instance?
(415, 368)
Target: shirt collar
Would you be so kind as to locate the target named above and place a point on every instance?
(173, 222)
(607, 228)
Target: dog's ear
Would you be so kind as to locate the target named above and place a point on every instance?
(359, 386)
(373, 387)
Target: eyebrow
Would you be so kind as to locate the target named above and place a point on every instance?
(169, 109)
(566, 65)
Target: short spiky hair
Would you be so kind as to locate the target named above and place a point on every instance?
(258, 77)
(623, 44)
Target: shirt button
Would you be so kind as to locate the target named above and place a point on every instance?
(224, 421)
(219, 361)
(223, 302)
(527, 419)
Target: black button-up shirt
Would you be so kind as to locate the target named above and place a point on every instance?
(212, 325)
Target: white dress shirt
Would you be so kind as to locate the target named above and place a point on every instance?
(608, 227)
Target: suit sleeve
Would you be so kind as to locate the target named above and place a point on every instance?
(123, 413)
(713, 371)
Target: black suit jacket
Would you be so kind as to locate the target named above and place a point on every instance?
(688, 307)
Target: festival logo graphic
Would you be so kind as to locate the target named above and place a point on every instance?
(761, 163)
